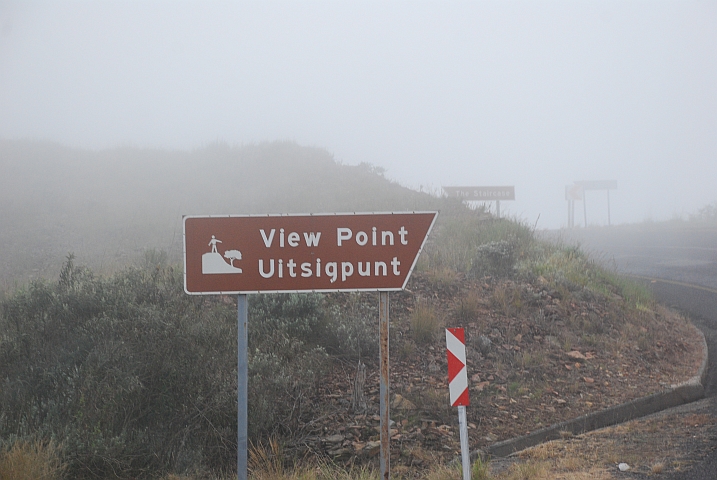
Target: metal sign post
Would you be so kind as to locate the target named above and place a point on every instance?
(465, 451)
(242, 385)
(243, 254)
(573, 193)
(385, 460)
(585, 211)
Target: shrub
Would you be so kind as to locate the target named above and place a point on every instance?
(569, 270)
(134, 376)
(297, 316)
(283, 373)
(471, 241)
(285, 359)
(352, 330)
(495, 258)
(453, 241)
(707, 214)
(129, 372)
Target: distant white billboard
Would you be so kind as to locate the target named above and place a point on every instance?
(597, 184)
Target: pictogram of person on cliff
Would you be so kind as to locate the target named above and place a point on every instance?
(213, 242)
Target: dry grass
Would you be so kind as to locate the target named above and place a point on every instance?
(552, 469)
(266, 462)
(647, 445)
(593, 456)
(480, 469)
(591, 474)
(426, 322)
(443, 276)
(507, 299)
(443, 472)
(470, 306)
(528, 471)
(38, 460)
(322, 471)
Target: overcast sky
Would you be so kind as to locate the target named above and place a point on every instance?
(534, 94)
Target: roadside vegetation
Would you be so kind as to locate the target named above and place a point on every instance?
(111, 371)
(706, 214)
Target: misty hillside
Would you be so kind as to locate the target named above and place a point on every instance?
(110, 206)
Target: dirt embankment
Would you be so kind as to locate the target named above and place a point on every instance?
(537, 356)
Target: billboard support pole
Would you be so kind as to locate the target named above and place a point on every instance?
(594, 185)
(385, 460)
(585, 210)
(242, 385)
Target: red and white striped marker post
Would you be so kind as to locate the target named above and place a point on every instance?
(458, 387)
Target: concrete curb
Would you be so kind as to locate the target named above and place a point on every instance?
(686, 392)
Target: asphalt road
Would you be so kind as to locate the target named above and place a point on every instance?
(679, 263)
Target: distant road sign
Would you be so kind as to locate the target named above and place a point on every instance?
(481, 193)
(301, 253)
(597, 184)
(573, 192)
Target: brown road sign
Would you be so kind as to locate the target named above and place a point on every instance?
(301, 253)
(481, 193)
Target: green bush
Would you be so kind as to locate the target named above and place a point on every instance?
(129, 373)
(134, 376)
(495, 258)
(568, 269)
(352, 326)
(283, 373)
(299, 316)
(707, 214)
(285, 359)
(473, 242)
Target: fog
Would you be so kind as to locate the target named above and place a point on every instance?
(531, 94)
